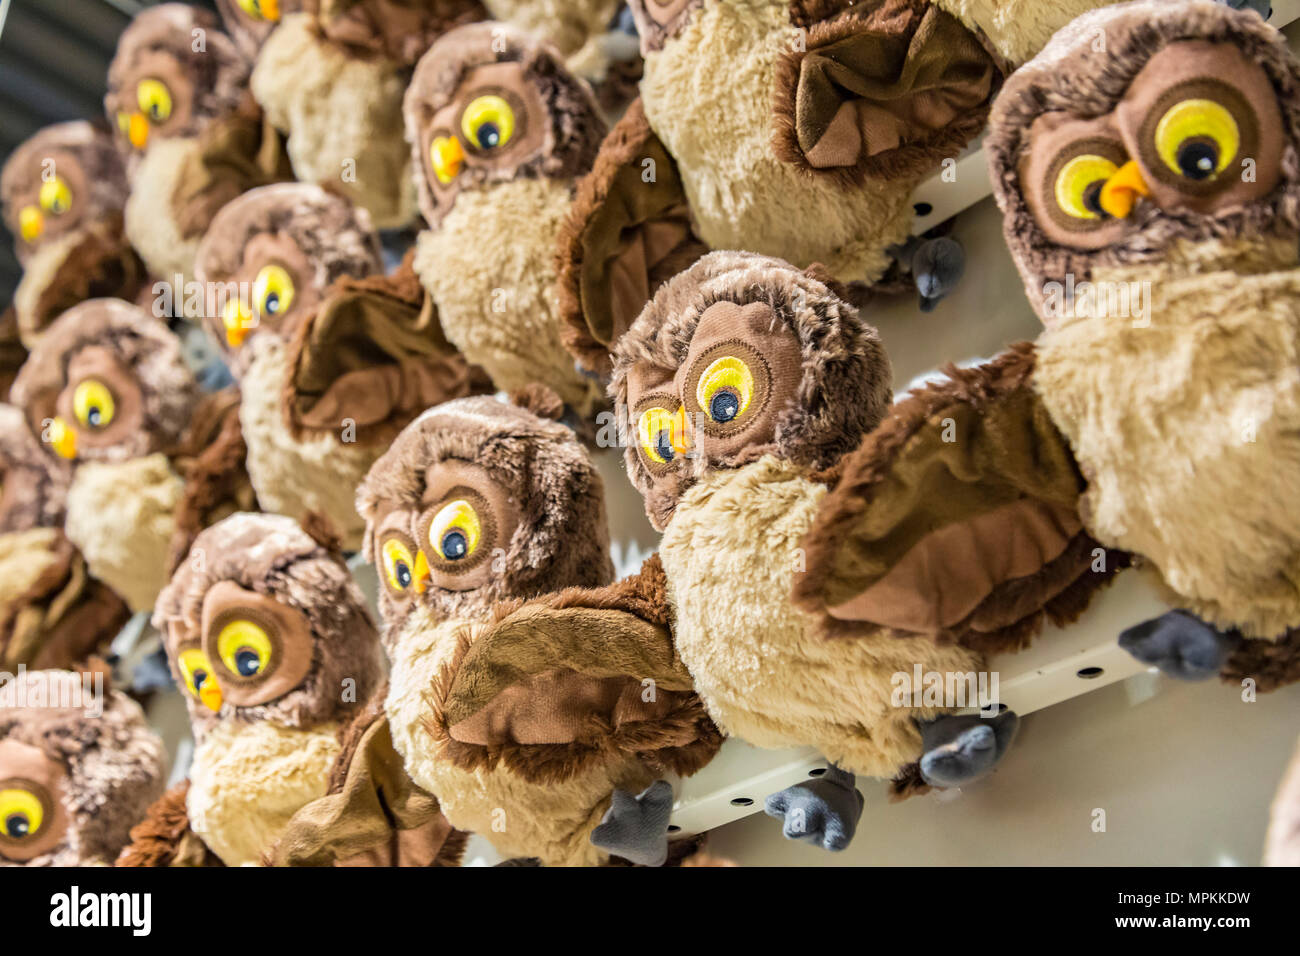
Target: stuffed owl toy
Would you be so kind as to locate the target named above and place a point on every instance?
(500, 130)
(1151, 201)
(746, 384)
(193, 138)
(108, 390)
(73, 779)
(270, 639)
(53, 614)
(478, 504)
(333, 357)
(330, 76)
(63, 191)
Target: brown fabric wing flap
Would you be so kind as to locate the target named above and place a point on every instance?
(966, 491)
(885, 89)
(629, 231)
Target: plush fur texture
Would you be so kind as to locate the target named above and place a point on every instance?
(551, 820)
(33, 482)
(764, 670)
(247, 781)
(115, 768)
(1017, 29)
(708, 95)
(846, 384)
(151, 222)
(577, 29)
(343, 118)
(122, 515)
(294, 476)
(27, 557)
(500, 309)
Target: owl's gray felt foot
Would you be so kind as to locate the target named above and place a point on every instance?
(959, 749)
(823, 812)
(1180, 644)
(636, 828)
(937, 266)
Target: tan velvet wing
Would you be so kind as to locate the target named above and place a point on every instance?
(629, 231)
(957, 517)
(373, 352)
(558, 683)
(880, 90)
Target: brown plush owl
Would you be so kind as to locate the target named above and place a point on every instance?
(330, 76)
(478, 503)
(177, 93)
(499, 131)
(269, 636)
(747, 384)
(63, 191)
(76, 770)
(1151, 200)
(108, 389)
(333, 357)
(52, 613)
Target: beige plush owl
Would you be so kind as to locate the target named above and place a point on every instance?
(333, 357)
(78, 767)
(193, 138)
(746, 386)
(107, 389)
(499, 130)
(479, 503)
(330, 76)
(53, 614)
(63, 191)
(269, 637)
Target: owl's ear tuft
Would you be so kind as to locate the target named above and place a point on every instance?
(322, 530)
(540, 400)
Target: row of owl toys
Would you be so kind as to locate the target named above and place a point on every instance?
(762, 424)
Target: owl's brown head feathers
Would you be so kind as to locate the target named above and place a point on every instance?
(33, 483)
(741, 356)
(262, 622)
(61, 179)
(489, 104)
(479, 501)
(73, 783)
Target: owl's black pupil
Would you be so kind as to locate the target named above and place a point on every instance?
(403, 574)
(57, 206)
(247, 662)
(724, 406)
(1092, 198)
(1198, 159)
(93, 416)
(488, 135)
(200, 678)
(17, 825)
(454, 545)
(273, 303)
(664, 445)
(155, 112)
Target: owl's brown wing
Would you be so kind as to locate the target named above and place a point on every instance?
(554, 685)
(373, 353)
(164, 837)
(957, 517)
(880, 91)
(373, 814)
(628, 231)
(12, 351)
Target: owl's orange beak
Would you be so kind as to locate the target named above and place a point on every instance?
(63, 439)
(681, 437)
(421, 572)
(270, 9)
(31, 223)
(137, 130)
(1120, 193)
(237, 318)
(446, 154)
(210, 695)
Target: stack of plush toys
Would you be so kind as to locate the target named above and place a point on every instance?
(372, 276)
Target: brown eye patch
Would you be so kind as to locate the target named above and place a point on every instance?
(261, 649)
(1071, 186)
(1196, 133)
(728, 387)
(459, 533)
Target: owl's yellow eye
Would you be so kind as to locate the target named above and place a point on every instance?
(154, 99)
(1197, 138)
(197, 676)
(244, 647)
(658, 431)
(21, 814)
(56, 197)
(488, 122)
(272, 291)
(455, 531)
(1078, 185)
(399, 564)
(93, 405)
(261, 9)
(725, 389)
